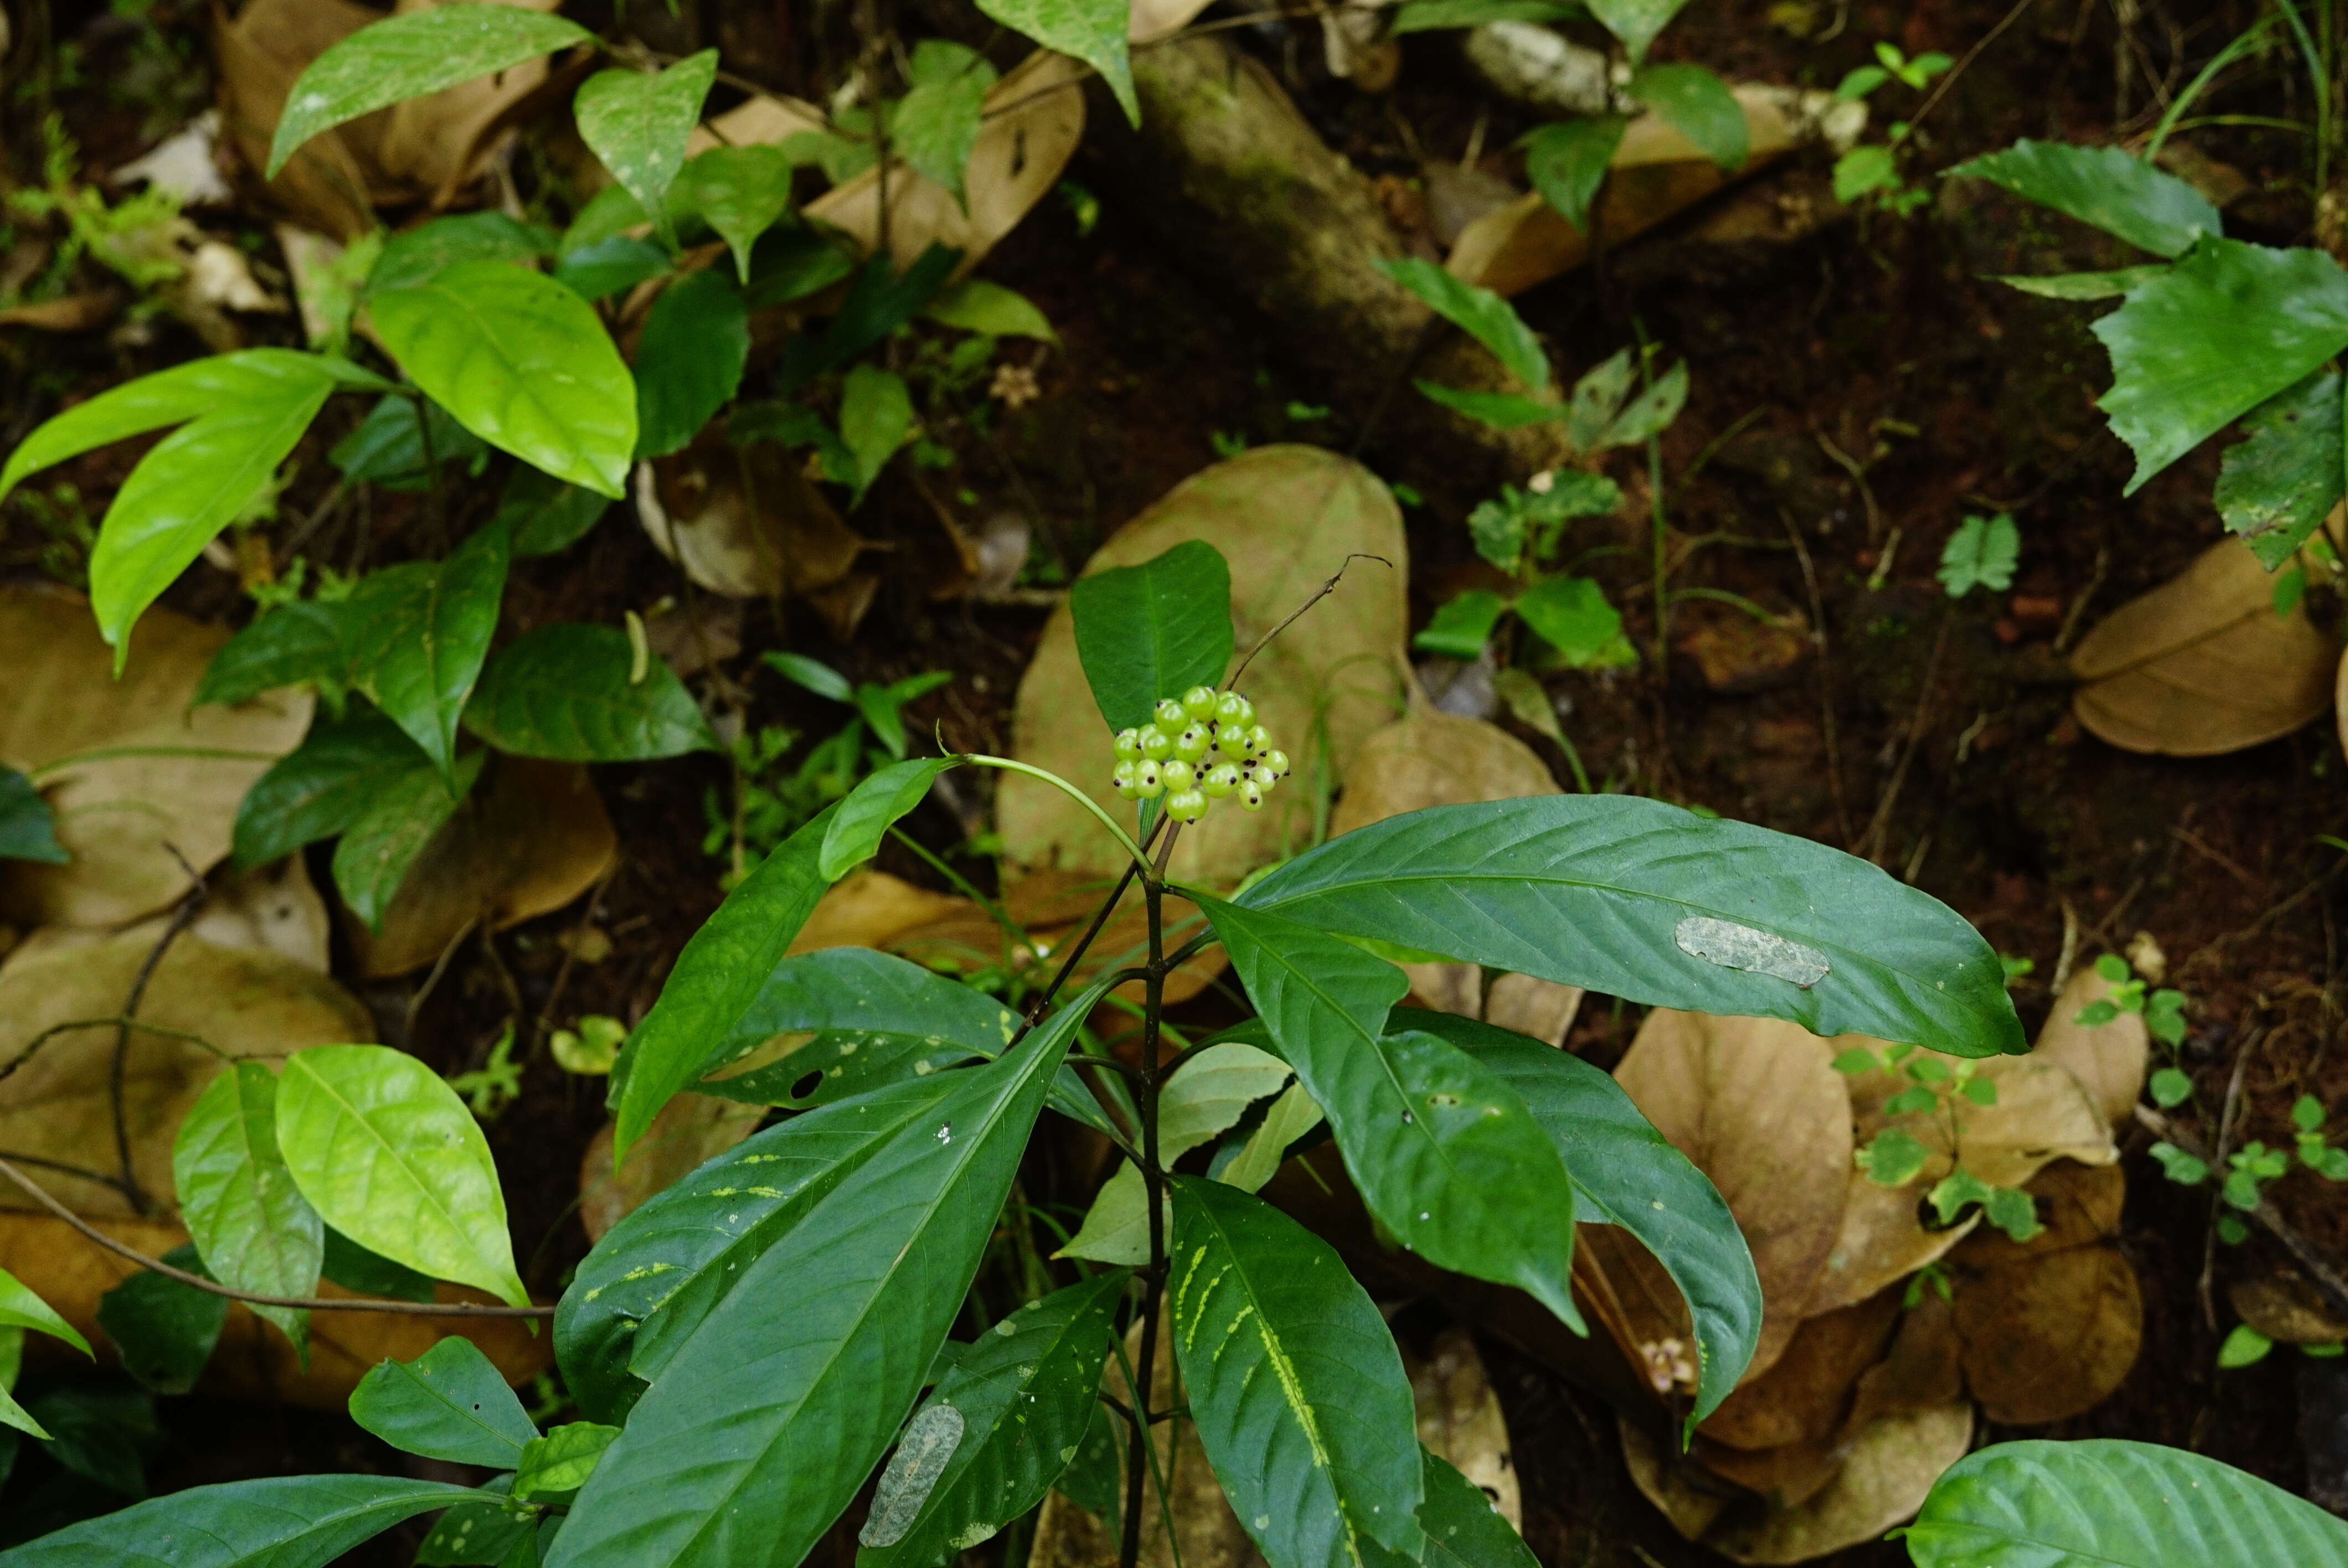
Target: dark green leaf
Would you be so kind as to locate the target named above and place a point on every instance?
(637, 122)
(874, 806)
(163, 1331)
(1643, 901)
(1626, 1173)
(1295, 1383)
(768, 1418)
(1501, 410)
(417, 635)
(322, 786)
(2101, 1503)
(282, 646)
(252, 1227)
(1465, 1529)
(418, 255)
(279, 1522)
(876, 418)
(388, 447)
(1153, 630)
(559, 1463)
(408, 55)
(1020, 1399)
(2106, 185)
(1572, 615)
(477, 1534)
(354, 1267)
(720, 978)
(2087, 285)
(739, 191)
(564, 692)
(1445, 1156)
(401, 817)
(935, 125)
(1635, 22)
(99, 1434)
(1432, 15)
(599, 270)
(544, 514)
(1463, 626)
(1477, 312)
(449, 1403)
(1095, 1476)
(696, 341)
(28, 828)
(879, 303)
(521, 362)
(1092, 31)
(1567, 162)
(2276, 488)
(790, 263)
(1698, 105)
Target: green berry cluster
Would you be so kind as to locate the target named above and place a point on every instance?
(1202, 746)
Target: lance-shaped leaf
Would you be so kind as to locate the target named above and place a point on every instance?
(2101, 1503)
(766, 1420)
(406, 57)
(1464, 1528)
(279, 1522)
(1445, 1156)
(521, 362)
(1293, 1381)
(1643, 901)
(578, 693)
(2106, 185)
(873, 807)
(689, 360)
(2276, 488)
(1477, 312)
(1020, 1400)
(638, 122)
(717, 978)
(1092, 31)
(251, 1224)
(282, 646)
(400, 820)
(417, 635)
(1627, 1173)
(449, 1403)
(389, 1155)
(1153, 630)
(324, 787)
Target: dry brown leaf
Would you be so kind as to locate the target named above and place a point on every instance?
(1656, 172)
(55, 1106)
(2107, 1059)
(866, 909)
(1286, 518)
(1151, 20)
(122, 816)
(2285, 1307)
(1920, 1372)
(72, 313)
(2202, 664)
(692, 505)
(1689, 1497)
(1887, 1469)
(689, 1130)
(272, 909)
(1805, 1395)
(331, 181)
(1758, 1105)
(1532, 1006)
(1432, 758)
(761, 117)
(2050, 1327)
(1461, 1420)
(532, 837)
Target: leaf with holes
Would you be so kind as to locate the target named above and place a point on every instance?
(573, 693)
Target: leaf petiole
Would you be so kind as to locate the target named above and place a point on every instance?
(1124, 838)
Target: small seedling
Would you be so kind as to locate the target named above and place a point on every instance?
(1981, 553)
(589, 1051)
(2164, 1019)
(1894, 1157)
(2325, 1159)
(489, 1088)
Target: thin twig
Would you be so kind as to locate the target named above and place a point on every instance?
(1941, 90)
(213, 1286)
(2216, 1170)
(1826, 674)
(1881, 821)
(111, 1022)
(1324, 591)
(181, 918)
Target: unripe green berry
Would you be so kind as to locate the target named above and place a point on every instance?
(1219, 782)
(1259, 739)
(1233, 709)
(1263, 776)
(1231, 740)
(1190, 744)
(1129, 745)
(1171, 715)
(1147, 782)
(1156, 743)
(1277, 761)
(1251, 795)
(1186, 806)
(1198, 701)
(1177, 774)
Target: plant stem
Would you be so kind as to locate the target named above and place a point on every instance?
(1153, 1182)
(1124, 839)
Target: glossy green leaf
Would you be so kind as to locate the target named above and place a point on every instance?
(1017, 1402)
(28, 828)
(449, 1403)
(1295, 1383)
(1698, 105)
(20, 1308)
(976, 305)
(418, 254)
(1465, 1528)
(389, 1155)
(739, 191)
(418, 633)
(388, 447)
(163, 1331)
(408, 55)
(2104, 186)
(1092, 31)
(1153, 630)
(1643, 901)
(544, 514)
(354, 1268)
(1567, 162)
(638, 122)
(1205, 1098)
(2276, 488)
(1477, 312)
(479, 1534)
(873, 807)
(2221, 331)
(565, 692)
(2086, 285)
(719, 977)
(599, 270)
(522, 363)
(1635, 22)
(768, 1418)
(324, 786)
(1627, 1173)
(250, 1222)
(935, 125)
(278, 1521)
(689, 361)
(2101, 1503)
(559, 1463)
(1571, 614)
(876, 418)
(1462, 625)
(401, 817)
(1445, 1156)
(1501, 410)
(287, 646)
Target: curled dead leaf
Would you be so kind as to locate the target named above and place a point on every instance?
(2202, 664)
(2107, 1059)
(690, 1131)
(695, 508)
(1804, 1397)
(2287, 1309)
(1887, 1466)
(333, 183)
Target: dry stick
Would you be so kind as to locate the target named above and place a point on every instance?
(1881, 821)
(1324, 591)
(181, 918)
(2217, 1169)
(1940, 92)
(1826, 673)
(2322, 1270)
(210, 1286)
(111, 1022)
